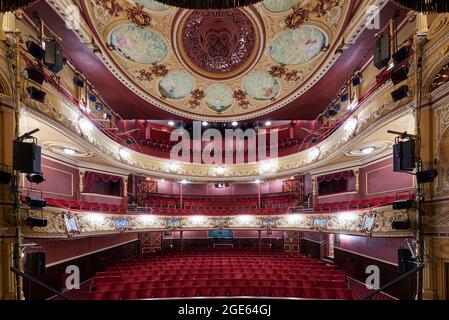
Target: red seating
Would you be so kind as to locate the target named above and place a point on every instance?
(227, 274)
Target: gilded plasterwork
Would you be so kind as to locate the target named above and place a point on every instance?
(93, 223)
(222, 48)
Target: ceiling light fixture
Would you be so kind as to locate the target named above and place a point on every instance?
(171, 123)
(184, 181)
(209, 4)
(69, 152)
(368, 150)
(424, 6)
(235, 123)
(205, 123)
(220, 171)
(268, 123)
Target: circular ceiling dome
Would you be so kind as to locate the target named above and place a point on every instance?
(219, 44)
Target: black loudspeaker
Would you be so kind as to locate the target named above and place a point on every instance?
(427, 176)
(404, 156)
(54, 56)
(403, 204)
(35, 264)
(36, 94)
(401, 225)
(35, 50)
(26, 157)
(36, 75)
(36, 202)
(5, 177)
(400, 93)
(405, 260)
(382, 51)
(36, 222)
(401, 55)
(399, 74)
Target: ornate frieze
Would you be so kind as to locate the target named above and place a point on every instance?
(67, 223)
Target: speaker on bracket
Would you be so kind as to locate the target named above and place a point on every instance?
(54, 56)
(35, 50)
(35, 264)
(36, 75)
(399, 74)
(26, 157)
(400, 93)
(405, 260)
(404, 157)
(382, 51)
(400, 55)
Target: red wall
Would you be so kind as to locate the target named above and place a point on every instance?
(379, 180)
(376, 180)
(61, 181)
(384, 249)
(58, 250)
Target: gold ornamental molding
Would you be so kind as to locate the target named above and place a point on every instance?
(64, 223)
(65, 118)
(157, 19)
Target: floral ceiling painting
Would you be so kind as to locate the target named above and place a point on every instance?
(218, 64)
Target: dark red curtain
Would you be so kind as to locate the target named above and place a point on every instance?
(336, 176)
(334, 183)
(92, 181)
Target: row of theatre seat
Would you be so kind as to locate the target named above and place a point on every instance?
(357, 204)
(221, 203)
(83, 205)
(218, 212)
(227, 275)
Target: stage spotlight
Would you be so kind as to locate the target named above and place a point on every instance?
(36, 75)
(314, 140)
(99, 107)
(400, 93)
(107, 116)
(356, 80)
(93, 98)
(36, 94)
(36, 178)
(35, 50)
(332, 112)
(36, 202)
(401, 225)
(129, 141)
(401, 55)
(337, 107)
(36, 222)
(426, 176)
(399, 74)
(344, 97)
(79, 82)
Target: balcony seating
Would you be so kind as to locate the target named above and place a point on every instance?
(221, 205)
(83, 205)
(359, 204)
(224, 274)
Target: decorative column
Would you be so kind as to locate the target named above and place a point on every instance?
(181, 205)
(81, 182)
(357, 179)
(181, 237)
(259, 243)
(259, 197)
(314, 191)
(125, 191)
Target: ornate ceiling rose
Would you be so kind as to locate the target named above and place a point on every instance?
(425, 6)
(209, 4)
(218, 65)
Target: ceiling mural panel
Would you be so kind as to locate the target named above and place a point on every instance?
(219, 64)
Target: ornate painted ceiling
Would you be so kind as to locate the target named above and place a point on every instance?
(219, 65)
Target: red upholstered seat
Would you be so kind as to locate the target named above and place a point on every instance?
(327, 293)
(344, 294)
(311, 293)
(130, 295)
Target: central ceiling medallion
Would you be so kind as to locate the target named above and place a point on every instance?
(219, 44)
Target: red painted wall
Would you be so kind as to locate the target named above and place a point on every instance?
(379, 180)
(384, 249)
(58, 250)
(61, 181)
